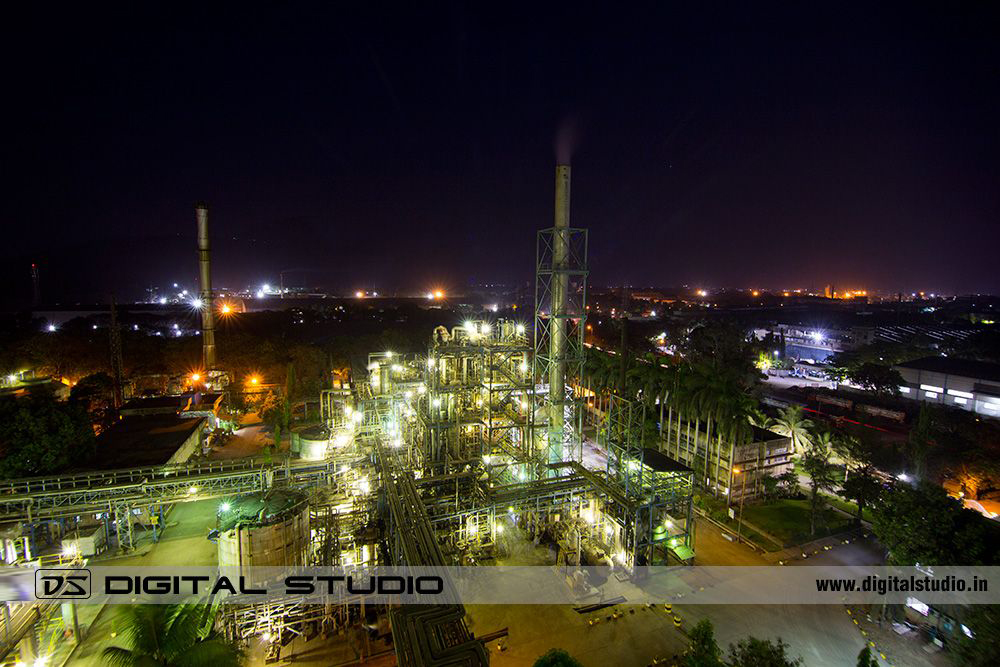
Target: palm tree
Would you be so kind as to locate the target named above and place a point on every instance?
(816, 462)
(163, 635)
(792, 423)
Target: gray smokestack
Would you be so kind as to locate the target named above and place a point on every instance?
(557, 341)
(205, 269)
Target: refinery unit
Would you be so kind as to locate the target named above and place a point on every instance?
(471, 453)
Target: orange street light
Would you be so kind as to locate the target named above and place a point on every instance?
(195, 377)
(254, 380)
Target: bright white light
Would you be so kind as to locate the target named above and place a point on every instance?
(930, 387)
(436, 402)
(430, 362)
(342, 440)
(94, 327)
(51, 328)
(259, 294)
(519, 328)
(11, 378)
(175, 325)
(903, 477)
(430, 296)
(266, 287)
(524, 367)
(422, 389)
(652, 313)
(407, 394)
(225, 507)
(193, 489)
(163, 300)
(396, 368)
(962, 394)
(499, 529)
(197, 303)
(388, 354)
(69, 550)
(359, 417)
(816, 336)
(470, 326)
(486, 328)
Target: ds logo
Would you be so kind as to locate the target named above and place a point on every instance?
(62, 584)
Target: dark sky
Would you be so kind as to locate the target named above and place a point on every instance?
(853, 143)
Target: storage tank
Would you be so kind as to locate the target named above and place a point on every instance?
(314, 442)
(268, 529)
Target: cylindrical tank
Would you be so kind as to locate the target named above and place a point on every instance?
(264, 530)
(314, 442)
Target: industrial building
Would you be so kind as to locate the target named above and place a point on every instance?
(958, 383)
(726, 467)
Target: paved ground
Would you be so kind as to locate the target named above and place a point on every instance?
(247, 441)
(184, 541)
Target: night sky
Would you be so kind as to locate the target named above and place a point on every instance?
(409, 148)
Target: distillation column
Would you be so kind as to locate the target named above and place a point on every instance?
(207, 312)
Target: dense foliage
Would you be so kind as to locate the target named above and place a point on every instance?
(160, 635)
(923, 524)
(40, 435)
(704, 651)
(557, 658)
(983, 649)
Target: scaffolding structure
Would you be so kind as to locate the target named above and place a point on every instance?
(655, 508)
(560, 322)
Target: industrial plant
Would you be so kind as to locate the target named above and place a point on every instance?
(472, 453)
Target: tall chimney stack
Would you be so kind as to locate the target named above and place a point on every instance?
(557, 340)
(207, 307)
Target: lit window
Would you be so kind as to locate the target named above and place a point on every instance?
(904, 390)
(931, 394)
(961, 401)
(962, 394)
(917, 605)
(930, 387)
